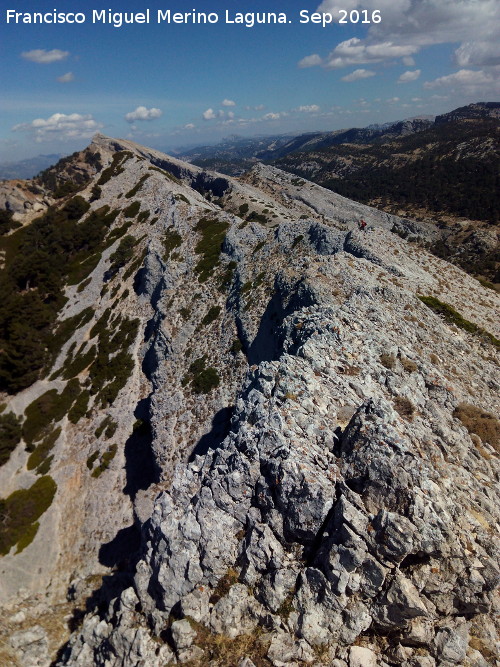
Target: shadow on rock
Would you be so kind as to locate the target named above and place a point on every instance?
(140, 466)
(221, 424)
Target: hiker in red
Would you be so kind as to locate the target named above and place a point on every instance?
(362, 224)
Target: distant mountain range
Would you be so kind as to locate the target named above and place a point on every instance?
(27, 168)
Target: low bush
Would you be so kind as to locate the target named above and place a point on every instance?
(136, 188)
(20, 511)
(211, 316)
(10, 435)
(209, 247)
(132, 210)
(171, 240)
(46, 410)
(40, 454)
(202, 379)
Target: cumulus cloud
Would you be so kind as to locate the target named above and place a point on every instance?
(230, 115)
(272, 116)
(409, 25)
(308, 108)
(142, 113)
(477, 54)
(209, 114)
(60, 127)
(228, 103)
(189, 126)
(468, 81)
(66, 78)
(409, 76)
(358, 74)
(45, 57)
(354, 52)
(311, 61)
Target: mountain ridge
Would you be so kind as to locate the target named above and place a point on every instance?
(284, 472)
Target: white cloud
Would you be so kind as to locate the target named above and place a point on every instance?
(209, 114)
(409, 76)
(66, 78)
(358, 74)
(469, 82)
(142, 113)
(272, 116)
(477, 54)
(311, 61)
(230, 115)
(393, 100)
(45, 57)
(308, 108)
(60, 127)
(409, 25)
(354, 52)
(228, 103)
(189, 126)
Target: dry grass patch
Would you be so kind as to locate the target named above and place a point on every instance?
(479, 422)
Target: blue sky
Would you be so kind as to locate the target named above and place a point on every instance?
(175, 85)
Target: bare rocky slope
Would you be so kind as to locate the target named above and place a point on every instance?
(282, 448)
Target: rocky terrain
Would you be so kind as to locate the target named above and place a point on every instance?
(257, 435)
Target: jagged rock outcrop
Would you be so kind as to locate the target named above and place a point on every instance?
(304, 490)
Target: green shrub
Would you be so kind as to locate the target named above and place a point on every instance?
(212, 237)
(227, 277)
(212, 315)
(10, 435)
(297, 240)
(136, 189)
(95, 193)
(116, 167)
(143, 216)
(92, 459)
(202, 379)
(77, 365)
(41, 452)
(75, 208)
(113, 365)
(243, 209)
(180, 197)
(454, 317)
(257, 217)
(33, 285)
(110, 429)
(47, 409)
(105, 461)
(236, 346)
(132, 210)
(123, 254)
(171, 240)
(7, 224)
(80, 407)
(83, 285)
(20, 511)
(107, 421)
